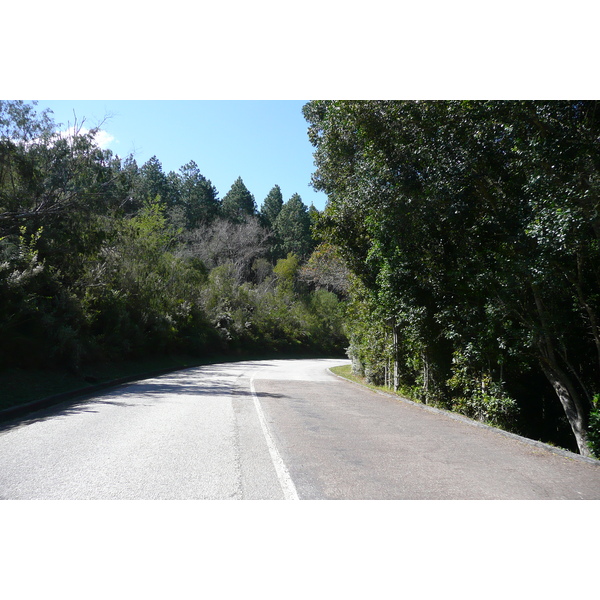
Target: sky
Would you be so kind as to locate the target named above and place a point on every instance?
(263, 142)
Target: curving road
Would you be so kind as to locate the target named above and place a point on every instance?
(278, 429)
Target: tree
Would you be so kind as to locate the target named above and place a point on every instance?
(271, 207)
(153, 182)
(141, 297)
(473, 228)
(20, 123)
(326, 270)
(314, 215)
(287, 268)
(56, 194)
(197, 196)
(225, 242)
(292, 227)
(44, 173)
(63, 184)
(238, 203)
(103, 260)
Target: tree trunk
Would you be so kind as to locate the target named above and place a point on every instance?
(571, 405)
(560, 381)
(425, 359)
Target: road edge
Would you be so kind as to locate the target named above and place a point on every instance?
(474, 423)
(21, 410)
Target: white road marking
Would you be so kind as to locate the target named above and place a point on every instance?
(287, 485)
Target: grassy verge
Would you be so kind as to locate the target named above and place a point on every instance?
(346, 372)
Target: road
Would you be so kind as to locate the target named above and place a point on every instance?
(278, 429)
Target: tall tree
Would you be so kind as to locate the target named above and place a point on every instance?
(271, 207)
(56, 195)
(292, 227)
(153, 182)
(197, 195)
(238, 203)
(43, 173)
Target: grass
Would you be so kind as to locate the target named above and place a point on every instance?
(346, 372)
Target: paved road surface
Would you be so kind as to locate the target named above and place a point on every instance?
(280, 429)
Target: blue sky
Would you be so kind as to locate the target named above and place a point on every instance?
(263, 142)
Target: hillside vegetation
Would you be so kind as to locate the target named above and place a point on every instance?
(103, 261)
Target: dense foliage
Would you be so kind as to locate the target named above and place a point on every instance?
(102, 260)
(473, 232)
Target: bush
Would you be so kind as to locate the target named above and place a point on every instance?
(594, 428)
(479, 397)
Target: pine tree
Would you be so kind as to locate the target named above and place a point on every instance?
(153, 182)
(198, 196)
(292, 227)
(238, 203)
(271, 207)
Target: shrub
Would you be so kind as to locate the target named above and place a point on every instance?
(594, 428)
(479, 397)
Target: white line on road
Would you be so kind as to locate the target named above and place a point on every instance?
(287, 485)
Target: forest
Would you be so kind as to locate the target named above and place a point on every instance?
(472, 229)
(102, 260)
(456, 261)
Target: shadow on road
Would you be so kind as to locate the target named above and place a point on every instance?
(177, 387)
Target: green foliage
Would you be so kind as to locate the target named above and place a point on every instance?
(40, 320)
(287, 268)
(271, 207)
(478, 396)
(238, 204)
(103, 261)
(141, 296)
(272, 315)
(292, 227)
(197, 196)
(19, 122)
(470, 224)
(594, 428)
(152, 183)
(370, 346)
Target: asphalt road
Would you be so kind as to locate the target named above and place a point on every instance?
(280, 429)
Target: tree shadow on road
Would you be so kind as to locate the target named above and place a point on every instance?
(175, 389)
